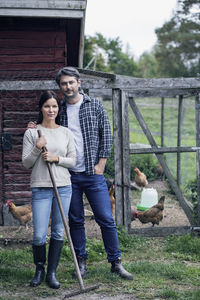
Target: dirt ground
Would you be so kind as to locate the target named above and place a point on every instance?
(173, 216)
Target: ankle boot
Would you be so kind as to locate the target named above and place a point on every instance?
(82, 266)
(55, 247)
(119, 269)
(39, 256)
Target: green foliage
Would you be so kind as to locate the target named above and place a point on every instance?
(178, 42)
(107, 55)
(145, 162)
(191, 193)
(148, 65)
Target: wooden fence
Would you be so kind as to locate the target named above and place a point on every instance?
(123, 90)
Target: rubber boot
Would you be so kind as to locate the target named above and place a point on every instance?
(119, 269)
(82, 267)
(39, 256)
(55, 248)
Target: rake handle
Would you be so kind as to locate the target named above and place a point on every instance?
(64, 220)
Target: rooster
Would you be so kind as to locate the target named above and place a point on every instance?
(21, 213)
(153, 215)
(140, 178)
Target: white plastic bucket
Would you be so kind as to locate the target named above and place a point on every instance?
(149, 197)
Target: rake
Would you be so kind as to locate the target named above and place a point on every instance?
(80, 280)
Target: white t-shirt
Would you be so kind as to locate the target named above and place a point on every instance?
(74, 126)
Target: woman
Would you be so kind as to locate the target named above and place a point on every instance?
(59, 143)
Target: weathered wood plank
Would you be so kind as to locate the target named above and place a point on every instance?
(125, 160)
(155, 150)
(162, 121)
(31, 66)
(88, 83)
(187, 207)
(33, 58)
(117, 133)
(161, 231)
(1, 162)
(180, 121)
(44, 4)
(7, 35)
(39, 13)
(197, 108)
(16, 179)
(143, 93)
(127, 82)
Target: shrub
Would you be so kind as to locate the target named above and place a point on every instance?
(191, 193)
(145, 162)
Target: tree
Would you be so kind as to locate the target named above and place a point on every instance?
(109, 55)
(148, 65)
(178, 48)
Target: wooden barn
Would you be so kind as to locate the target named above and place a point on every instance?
(37, 38)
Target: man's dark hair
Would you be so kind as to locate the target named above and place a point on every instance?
(69, 71)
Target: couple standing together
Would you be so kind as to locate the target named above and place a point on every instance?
(77, 135)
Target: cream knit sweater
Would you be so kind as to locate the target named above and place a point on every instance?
(60, 141)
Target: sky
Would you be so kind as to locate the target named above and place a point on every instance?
(133, 21)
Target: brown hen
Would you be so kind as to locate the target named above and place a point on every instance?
(21, 213)
(153, 215)
(140, 178)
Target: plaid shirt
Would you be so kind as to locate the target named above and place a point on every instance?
(95, 128)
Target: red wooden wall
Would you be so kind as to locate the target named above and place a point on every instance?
(30, 48)
(18, 108)
(32, 44)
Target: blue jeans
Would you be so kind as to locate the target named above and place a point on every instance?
(43, 202)
(96, 191)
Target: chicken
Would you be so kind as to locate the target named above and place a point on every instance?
(111, 191)
(153, 215)
(140, 178)
(22, 213)
(159, 171)
(112, 198)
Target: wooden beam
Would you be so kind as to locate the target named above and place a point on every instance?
(41, 13)
(28, 85)
(106, 81)
(161, 231)
(44, 4)
(180, 121)
(160, 150)
(125, 160)
(162, 120)
(197, 107)
(183, 202)
(117, 133)
(127, 82)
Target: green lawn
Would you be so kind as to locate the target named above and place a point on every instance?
(163, 268)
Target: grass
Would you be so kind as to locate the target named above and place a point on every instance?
(163, 268)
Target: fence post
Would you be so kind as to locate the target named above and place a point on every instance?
(121, 157)
(162, 120)
(180, 119)
(197, 108)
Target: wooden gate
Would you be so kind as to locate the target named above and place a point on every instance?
(122, 89)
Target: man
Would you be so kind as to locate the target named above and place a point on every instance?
(88, 120)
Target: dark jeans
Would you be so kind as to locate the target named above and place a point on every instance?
(96, 191)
